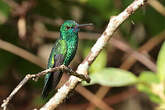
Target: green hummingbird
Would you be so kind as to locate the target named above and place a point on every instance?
(62, 53)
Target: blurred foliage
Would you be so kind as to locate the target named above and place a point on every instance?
(113, 77)
(146, 79)
(4, 12)
(101, 60)
(153, 84)
(7, 62)
(161, 63)
(139, 28)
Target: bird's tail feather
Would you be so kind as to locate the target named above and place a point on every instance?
(52, 79)
(51, 83)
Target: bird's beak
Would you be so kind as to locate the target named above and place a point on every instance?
(83, 25)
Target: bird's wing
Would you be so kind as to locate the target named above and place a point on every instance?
(60, 48)
(56, 58)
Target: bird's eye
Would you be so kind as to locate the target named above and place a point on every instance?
(68, 27)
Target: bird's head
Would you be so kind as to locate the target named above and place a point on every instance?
(71, 28)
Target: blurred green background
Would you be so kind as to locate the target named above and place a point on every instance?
(28, 29)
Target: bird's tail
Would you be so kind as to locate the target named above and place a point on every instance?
(51, 81)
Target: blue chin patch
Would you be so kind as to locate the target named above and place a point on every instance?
(76, 29)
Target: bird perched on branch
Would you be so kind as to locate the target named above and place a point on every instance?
(62, 53)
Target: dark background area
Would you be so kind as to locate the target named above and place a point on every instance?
(33, 26)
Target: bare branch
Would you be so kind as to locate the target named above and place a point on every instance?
(100, 94)
(34, 59)
(93, 98)
(148, 46)
(96, 49)
(22, 53)
(38, 75)
(137, 55)
(158, 6)
(11, 3)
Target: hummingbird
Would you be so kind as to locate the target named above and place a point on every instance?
(62, 53)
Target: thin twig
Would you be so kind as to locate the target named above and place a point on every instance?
(148, 46)
(157, 6)
(38, 75)
(96, 49)
(141, 57)
(111, 100)
(100, 94)
(121, 96)
(22, 53)
(29, 57)
(93, 98)
(20, 9)
(71, 72)
(11, 3)
(137, 55)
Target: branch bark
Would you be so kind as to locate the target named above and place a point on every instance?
(38, 75)
(22, 53)
(38, 61)
(96, 49)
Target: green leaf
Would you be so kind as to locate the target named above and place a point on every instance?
(148, 77)
(99, 63)
(155, 98)
(148, 90)
(146, 81)
(113, 77)
(161, 63)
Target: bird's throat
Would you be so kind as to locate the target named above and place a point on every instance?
(72, 44)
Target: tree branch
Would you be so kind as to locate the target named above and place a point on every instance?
(157, 6)
(38, 61)
(38, 75)
(22, 53)
(96, 49)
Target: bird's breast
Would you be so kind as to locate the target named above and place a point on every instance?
(71, 51)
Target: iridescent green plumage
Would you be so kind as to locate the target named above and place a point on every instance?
(62, 53)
